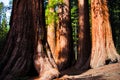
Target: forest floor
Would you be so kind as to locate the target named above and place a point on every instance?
(107, 72)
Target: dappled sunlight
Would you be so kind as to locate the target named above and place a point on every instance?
(59, 40)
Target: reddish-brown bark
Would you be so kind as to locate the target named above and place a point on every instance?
(103, 49)
(43, 59)
(18, 51)
(27, 37)
(84, 42)
(63, 50)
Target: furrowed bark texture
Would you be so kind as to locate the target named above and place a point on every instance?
(63, 50)
(103, 49)
(19, 48)
(84, 42)
(27, 38)
(43, 59)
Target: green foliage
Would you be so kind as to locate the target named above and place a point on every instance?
(1, 7)
(50, 16)
(51, 11)
(74, 19)
(3, 31)
(3, 34)
(114, 10)
(74, 22)
(3, 26)
(54, 3)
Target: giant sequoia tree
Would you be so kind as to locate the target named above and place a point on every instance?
(59, 32)
(103, 49)
(63, 52)
(27, 44)
(27, 38)
(17, 54)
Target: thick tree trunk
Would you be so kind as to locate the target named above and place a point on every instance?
(103, 49)
(19, 48)
(64, 46)
(43, 59)
(84, 42)
(27, 38)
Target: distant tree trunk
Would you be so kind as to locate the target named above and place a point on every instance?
(103, 49)
(27, 38)
(84, 41)
(64, 53)
(51, 30)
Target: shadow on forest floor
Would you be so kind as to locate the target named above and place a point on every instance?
(107, 72)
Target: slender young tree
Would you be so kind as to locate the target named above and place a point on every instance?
(26, 39)
(103, 49)
(84, 42)
(63, 52)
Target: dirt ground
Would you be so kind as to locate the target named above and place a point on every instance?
(107, 72)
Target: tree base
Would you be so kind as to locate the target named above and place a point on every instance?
(49, 75)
